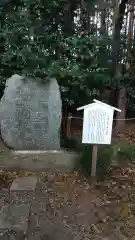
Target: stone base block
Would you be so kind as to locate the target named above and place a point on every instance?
(57, 161)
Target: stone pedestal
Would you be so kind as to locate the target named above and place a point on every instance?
(57, 161)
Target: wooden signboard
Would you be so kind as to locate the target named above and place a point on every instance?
(97, 127)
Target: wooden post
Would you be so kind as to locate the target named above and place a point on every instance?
(94, 160)
(68, 130)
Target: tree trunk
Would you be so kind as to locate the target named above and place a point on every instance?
(103, 23)
(116, 64)
(68, 24)
(119, 16)
(85, 17)
(130, 33)
(122, 95)
(122, 104)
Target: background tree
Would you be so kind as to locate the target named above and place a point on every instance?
(87, 45)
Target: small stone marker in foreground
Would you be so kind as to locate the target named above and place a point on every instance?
(14, 217)
(97, 127)
(24, 184)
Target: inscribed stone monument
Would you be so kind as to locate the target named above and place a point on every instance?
(30, 114)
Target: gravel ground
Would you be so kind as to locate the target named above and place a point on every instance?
(57, 214)
(57, 209)
(68, 206)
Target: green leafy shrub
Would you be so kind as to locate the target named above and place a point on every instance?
(126, 152)
(84, 159)
(71, 144)
(104, 159)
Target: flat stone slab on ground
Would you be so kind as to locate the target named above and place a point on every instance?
(14, 217)
(12, 236)
(24, 184)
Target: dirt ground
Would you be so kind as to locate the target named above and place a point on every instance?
(69, 206)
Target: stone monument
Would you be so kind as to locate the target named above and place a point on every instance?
(30, 114)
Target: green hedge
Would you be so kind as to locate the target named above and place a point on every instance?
(107, 154)
(126, 152)
(104, 158)
(84, 159)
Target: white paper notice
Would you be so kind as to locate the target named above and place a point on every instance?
(97, 125)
